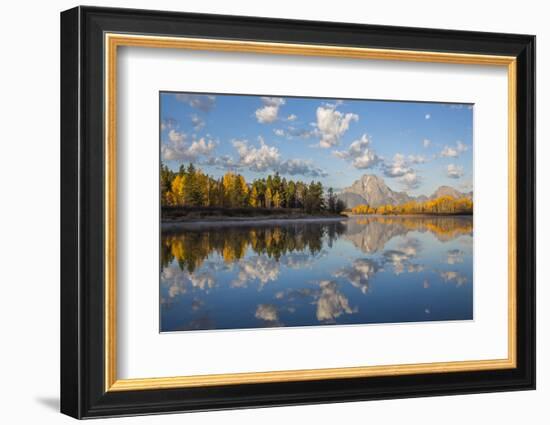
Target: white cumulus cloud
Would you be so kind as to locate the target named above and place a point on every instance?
(417, 159)
(332, 125)
(300, 167)
(454, 151)
(168, 124)
(197, 122)
(270, 111)
(257, 159)
(203, 102)
(398, 167)
(179, 148)
(292, 132)
(455, 171)
(201, 147)
(175, 136)
(359, 153)
(410, 180)
(267, 157)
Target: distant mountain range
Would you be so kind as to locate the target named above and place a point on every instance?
(373, 190)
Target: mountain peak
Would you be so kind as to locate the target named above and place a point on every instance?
(447, 191)
(372, 190)
(374, 177)
(373, 181)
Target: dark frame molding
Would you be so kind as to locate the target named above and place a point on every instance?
(82, 205)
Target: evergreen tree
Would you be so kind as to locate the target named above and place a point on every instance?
(340, 206)
(190, 186)
(290, 195)
(331, 200)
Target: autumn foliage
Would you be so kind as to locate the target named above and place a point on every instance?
(191, 187)
(442, 205)
(190, 249)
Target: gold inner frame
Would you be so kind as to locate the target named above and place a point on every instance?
(113, 41)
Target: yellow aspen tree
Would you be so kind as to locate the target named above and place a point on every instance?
(277, 200)
(268, 198)
(253, 197)
(178, 189)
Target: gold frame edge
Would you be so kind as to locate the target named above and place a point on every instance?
(113, 41)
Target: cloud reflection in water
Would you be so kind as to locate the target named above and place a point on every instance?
(308, 273)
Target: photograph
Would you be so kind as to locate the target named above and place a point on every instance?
(284, 211)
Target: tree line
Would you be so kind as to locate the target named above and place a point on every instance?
(190, 249)
(190, 186)
(441, 205)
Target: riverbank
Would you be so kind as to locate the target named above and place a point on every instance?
(174, 215)
(245, 221)
(423, 214)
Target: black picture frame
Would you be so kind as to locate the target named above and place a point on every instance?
(83, 392)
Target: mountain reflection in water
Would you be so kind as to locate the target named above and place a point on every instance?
(361, 270)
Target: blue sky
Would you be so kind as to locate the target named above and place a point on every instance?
(415, 146)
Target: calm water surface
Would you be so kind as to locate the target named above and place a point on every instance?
(304, 273)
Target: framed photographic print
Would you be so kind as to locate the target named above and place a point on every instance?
(261, 212)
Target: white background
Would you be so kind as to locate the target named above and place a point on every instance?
(29, 229)
(140, 344)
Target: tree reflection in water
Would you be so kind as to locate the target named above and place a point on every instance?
(193, 245)
(316, 272)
